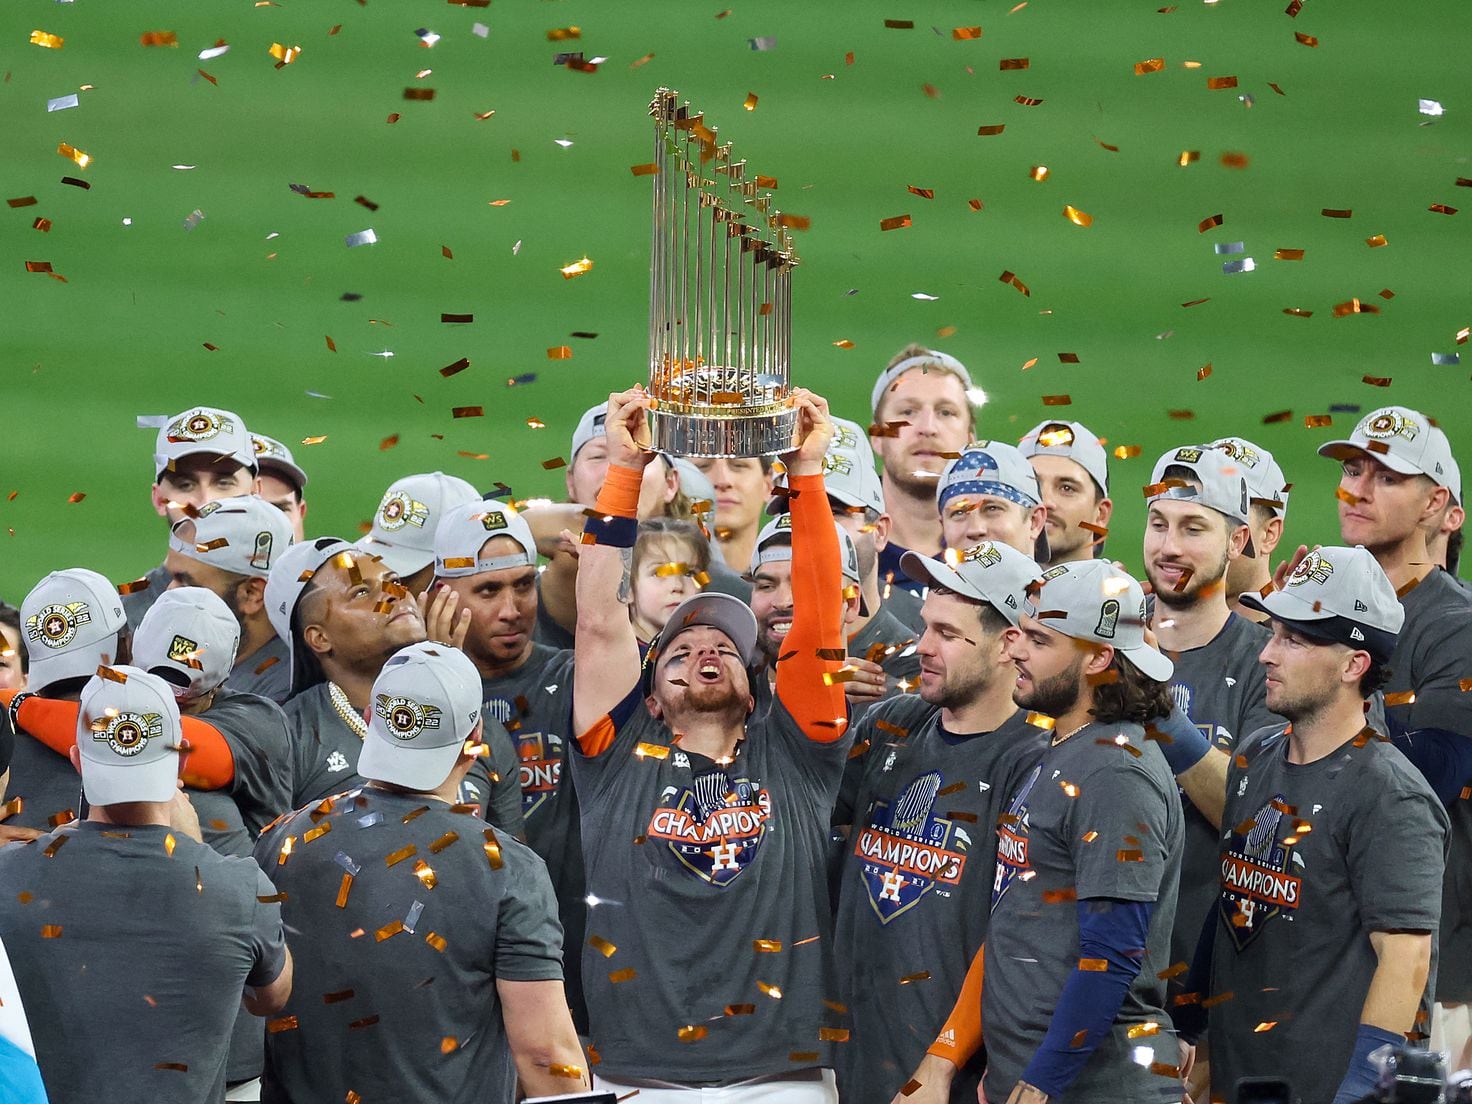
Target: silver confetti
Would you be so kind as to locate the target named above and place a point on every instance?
(193, 219)
(1446, 358)
(1246, 264)
(1229, 247)
(416, 910)
(344, 860)
(362, 237)
(480, 30)
(763, 42)
(1430, 107)
(61, 103)
(374, 817)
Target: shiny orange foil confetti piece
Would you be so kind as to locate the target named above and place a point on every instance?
(1014, 63)
(1187, 157)
(1057, 400)
(1376, 241)
(750, 102)
(896, 223)
(1126, 452)
(1077, 217)
(1211, 222)
(1094, 965)
(81, 157)
(1038, 173)
(1337, 212)
(1027, 101)
(280, 1024)
(1149, 65)
(47, 39)
(965, 34)
(158, 38)
(691, 1033)
(50, 931)
(1288, 254)
(1376, 381)
(284, 55)
(577, 268)
(1317, 421)
(619, 976)
(1218, 83)
(648, 169)
(990, 130)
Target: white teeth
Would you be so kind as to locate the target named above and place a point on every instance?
(782, 626)
(710, 669)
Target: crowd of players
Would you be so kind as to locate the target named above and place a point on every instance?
(728, 780)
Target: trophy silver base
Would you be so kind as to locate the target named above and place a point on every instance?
(683, 434)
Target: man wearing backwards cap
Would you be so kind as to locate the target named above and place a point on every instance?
(990, 492)
(705, 826)
(282, 481)
(924, 415)
(228, 547)
(1267, 492)
(917, 877)
(200, 455)
(132, 941)
(1088, 858)
(486, 558)
(188, 638)
(343, 613)
(1396, 471)
(403, 526)
(1331, 852)
(1073, 476)
(440, 896)
(1197, 525)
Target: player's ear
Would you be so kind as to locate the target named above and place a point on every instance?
(158, 497)
(316, 638)
(651, 704)
(250, 596)
(1103, 512)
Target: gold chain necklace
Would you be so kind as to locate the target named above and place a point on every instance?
(1056, 739)
(345, 710)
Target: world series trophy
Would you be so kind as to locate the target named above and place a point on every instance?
(720, 298)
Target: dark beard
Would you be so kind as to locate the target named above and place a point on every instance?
(1055, 696)
(1191, 593)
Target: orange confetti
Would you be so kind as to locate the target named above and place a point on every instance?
(314, 440)
(76, 496)
(1026, 101)
(1209, 223)
(1038, 173)
(1288, 254)
(388, 443)
(1317, 421)
(158, 38)
(1217, 83)
(1014, 63)
(988, 131)
(1094, 965)
(1057, 400)
(896, 223)
(284, 55)
(1376, 381)
(82, 158)
(577, 268)
(1149, 65)
(467, 412)
(1127, 452)
(559, 352)
(692, 1032)
(1376, 241)
(750, 102)
(965, 34)
(1203, 372)
(623, 975)
(1337, 212)
(647, 169)
(1077, 217)
(48, 40)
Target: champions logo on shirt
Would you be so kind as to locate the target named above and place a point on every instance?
(1012, 839)
(906, 849)
(1262, 875)
(540, 755)
(714, 826)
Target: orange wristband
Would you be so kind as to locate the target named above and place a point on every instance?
(619, 495)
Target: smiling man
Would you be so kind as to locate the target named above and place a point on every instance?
(342, 614)
(990, 492)
(1396, 467)
(923, 417)
(705, 826)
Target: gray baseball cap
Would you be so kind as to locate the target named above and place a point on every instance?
(243, 535)
(720, 611)
(465, 528)
(849, 476)
(1094, 601)
(1340, 595)
(1402, 439)
(994, 573)
(1072, 441)
(410, 511)
(931, 360)
(202, 429)
(289, 577)
(128, 737)
(188, 638)
(774, 544)
(71, 620)
(590, 425)
(273, 456)
(426, 704)
(1221, 483)
(1265, 482)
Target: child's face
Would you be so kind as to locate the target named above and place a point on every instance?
(662, 580)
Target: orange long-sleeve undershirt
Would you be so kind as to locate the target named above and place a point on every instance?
(208, 764)
(817, 616)
(961, 1037)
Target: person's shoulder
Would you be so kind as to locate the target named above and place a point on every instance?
(1258, 742)
(1121, 749)
(239, 705)
(1437, 593)
(1243, 629)
(1392, 772)
(309, 701)
(908, 711)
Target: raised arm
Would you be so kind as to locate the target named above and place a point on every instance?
(606, 649)
(815, 644)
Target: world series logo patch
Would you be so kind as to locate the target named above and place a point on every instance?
(127, 734)
(404, 717)
(55, 626)
(906, 850)
(399, 509)
(714, 826)
(185, 651)
(1262, 873)
(199, 425)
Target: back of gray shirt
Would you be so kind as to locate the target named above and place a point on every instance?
(266, 671)
(404, 915)
(131, 953)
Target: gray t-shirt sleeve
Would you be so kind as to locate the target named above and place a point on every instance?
(267, 936)
(528, 933)
(262, 785)
(1119, 832)
(1396, 857)
(500, 773)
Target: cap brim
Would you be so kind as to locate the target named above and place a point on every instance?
(402, 561)
(1349, 450)
(293, 473)
(1151, 664)
(79, 662)
(923, 569)
(109, 784)
(724, 612)
(161, 462)
(1284, 606)
(421, 769)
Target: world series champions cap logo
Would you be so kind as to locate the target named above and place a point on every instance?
(405, 717)
(399, 509)
(55, 626)
(199, 425)
(127, 734)
(1314, 566)
(1391, 423)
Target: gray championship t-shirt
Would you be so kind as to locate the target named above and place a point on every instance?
(255, 730)
(535, 705)
(266, 671)
(1314, 857)
(131, 960)
(916, 885)
(143, 593)
(1221, 687)
(49, 787)
(325, 750)
(1433, 654)
(1095, 818)
(404, 914)
(708, 950)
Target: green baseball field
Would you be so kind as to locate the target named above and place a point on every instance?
(1170, 221)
